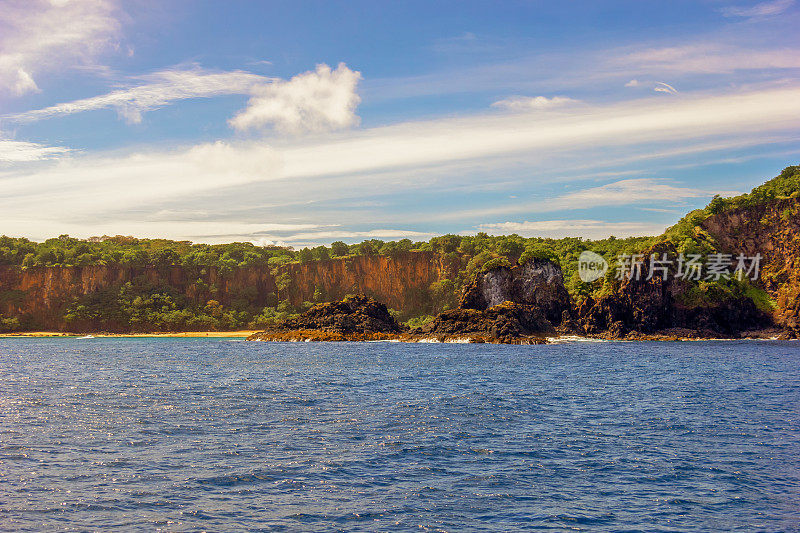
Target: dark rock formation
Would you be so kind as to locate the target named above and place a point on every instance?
(507, 322)
(354, 314)
(650, 306)
(537, 283)
(515, 305)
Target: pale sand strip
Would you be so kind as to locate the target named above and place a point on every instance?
(210, 334)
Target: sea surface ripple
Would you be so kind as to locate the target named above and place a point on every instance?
(225, 435)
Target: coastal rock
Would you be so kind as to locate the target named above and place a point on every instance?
(649, 306)
(352, 315)
(507, 322)
(537, 283)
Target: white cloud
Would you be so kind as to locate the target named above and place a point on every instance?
(42, 35)
(298, 177)
(201, 231)
(24, 152)
(323, 100)
(633, 83)
(589, 229)
(535, 103)
(159, 89)
(371, 234)
(706, 58)
(625, 192)
(764, 9)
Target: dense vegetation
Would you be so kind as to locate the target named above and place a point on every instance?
(139, 306)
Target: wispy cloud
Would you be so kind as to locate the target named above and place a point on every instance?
(706, 58)
(323, 100)
(42, 35)
(26, 152)
(534, 103)
(662, 87)
(159, 89)
(591, 229)
(626, 192)
(317, 101)
(380, 162)
(763, 9)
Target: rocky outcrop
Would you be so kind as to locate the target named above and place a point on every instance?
(508, 323)
(353, 318)
(649, 306)
(537, 284)
(354, 314)
(517, 305)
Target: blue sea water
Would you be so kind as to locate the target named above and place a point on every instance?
(226, 435)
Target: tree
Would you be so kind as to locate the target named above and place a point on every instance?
(339, 249)
(165, 258)
(321, 253)
(446, 243)
(306, 255)
(367, 248)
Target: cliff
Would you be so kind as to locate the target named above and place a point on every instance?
(40, 296)
(400, 281)
(773, 230)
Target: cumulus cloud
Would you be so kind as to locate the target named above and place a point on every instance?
(159, 89)
(24, 152)
(764, 9)
(591, 229)
(322, 100)
(42, 35)
(535, 103)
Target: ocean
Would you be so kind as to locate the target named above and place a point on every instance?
(226, 435)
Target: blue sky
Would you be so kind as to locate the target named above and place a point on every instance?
(308, 122)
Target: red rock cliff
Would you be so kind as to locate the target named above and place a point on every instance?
(43, 293)
(773, 230)
(400, 282)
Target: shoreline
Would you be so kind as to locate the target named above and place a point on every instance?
(311, 336)
(182, 334)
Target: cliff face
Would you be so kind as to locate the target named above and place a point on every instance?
(401, 282)
(773, 230)
(41, 295)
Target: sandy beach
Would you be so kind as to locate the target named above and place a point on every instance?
(210, 334)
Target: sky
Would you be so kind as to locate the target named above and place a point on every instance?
(302, 123)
